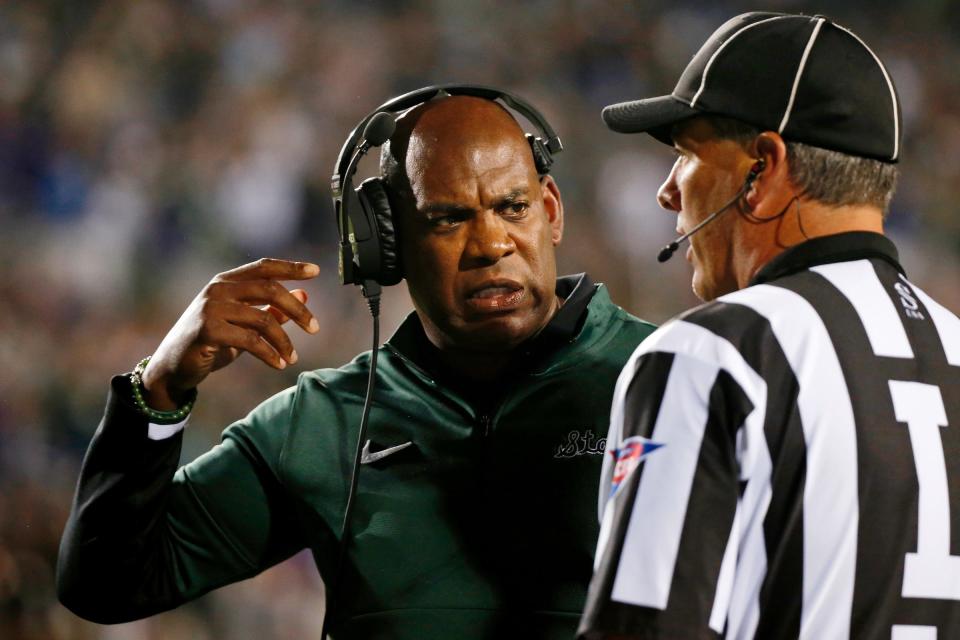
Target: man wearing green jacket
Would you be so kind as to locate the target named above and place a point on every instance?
(475, 511)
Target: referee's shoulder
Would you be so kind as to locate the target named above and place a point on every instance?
(735, 319)
(745, 310)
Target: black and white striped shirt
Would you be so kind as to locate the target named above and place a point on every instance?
(784, 462)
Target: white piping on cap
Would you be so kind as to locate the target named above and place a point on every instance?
(706, 69)
(893, 92)
(796, 78)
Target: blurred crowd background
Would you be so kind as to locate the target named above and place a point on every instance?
(147, 145)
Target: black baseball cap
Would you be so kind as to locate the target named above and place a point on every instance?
(805, 77)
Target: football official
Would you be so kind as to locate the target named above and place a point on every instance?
(467, 523)
(785, 458)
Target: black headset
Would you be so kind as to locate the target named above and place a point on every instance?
(369, 252)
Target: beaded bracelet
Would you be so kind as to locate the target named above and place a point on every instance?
(136, 383)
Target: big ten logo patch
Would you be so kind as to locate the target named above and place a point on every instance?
(627, 458)
(580, 443)
(908, 300)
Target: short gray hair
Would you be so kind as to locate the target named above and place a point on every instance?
(830, 177)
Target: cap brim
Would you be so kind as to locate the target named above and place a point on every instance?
(655, 116)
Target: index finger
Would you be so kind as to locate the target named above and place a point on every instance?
(272, 269)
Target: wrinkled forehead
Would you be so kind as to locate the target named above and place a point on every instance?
(474, 142)
(460, 158)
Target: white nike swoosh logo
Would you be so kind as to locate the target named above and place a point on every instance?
(366, 457)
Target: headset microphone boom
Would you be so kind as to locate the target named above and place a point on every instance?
(667, 252)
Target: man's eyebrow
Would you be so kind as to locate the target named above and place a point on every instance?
(511, 197)
(452, 208)
(446, 208)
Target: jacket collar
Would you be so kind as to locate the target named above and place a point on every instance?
(840, 247)
(576, 291)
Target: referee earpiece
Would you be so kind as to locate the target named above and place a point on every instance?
(756, 170)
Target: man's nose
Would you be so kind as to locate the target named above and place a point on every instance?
(489, 239)
(668, 195)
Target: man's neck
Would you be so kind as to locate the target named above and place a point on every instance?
(476, 366)
(803, 220)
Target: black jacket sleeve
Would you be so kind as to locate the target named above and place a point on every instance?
(143, 537)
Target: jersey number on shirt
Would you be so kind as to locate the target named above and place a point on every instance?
(931, 572)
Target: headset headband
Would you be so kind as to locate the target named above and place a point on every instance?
(420, 96)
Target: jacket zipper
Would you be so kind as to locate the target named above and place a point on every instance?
(486, 423)
(484, 420)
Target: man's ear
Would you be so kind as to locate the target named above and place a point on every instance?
(773, 180)
(553, 205)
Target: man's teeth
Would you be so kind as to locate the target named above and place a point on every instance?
(490, 292)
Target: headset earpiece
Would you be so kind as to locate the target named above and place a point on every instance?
(368, 243)
(384, 264)
(756, 170)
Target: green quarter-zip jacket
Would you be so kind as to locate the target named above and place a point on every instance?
(483, 526)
